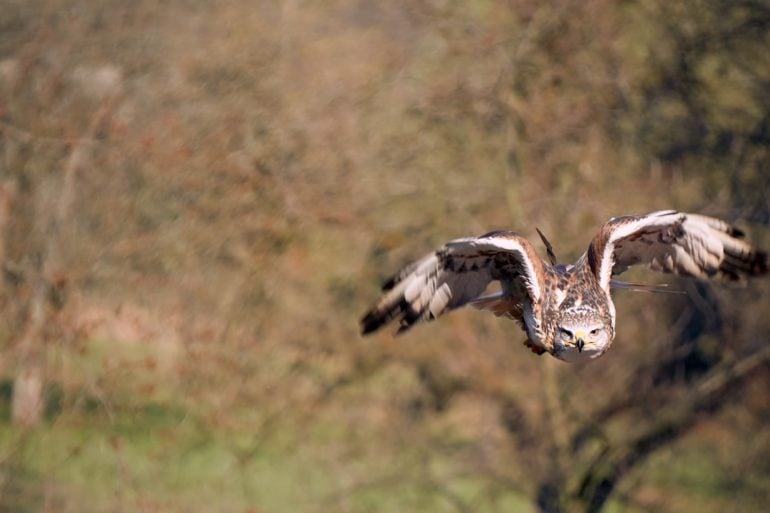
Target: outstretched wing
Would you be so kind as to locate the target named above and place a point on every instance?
(455, 275)
(675, 242)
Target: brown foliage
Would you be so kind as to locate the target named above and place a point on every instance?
(252, 172)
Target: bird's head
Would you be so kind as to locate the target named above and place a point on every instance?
(581, 337)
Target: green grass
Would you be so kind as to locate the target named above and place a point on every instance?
(128, 453)
(153, 455)
(155, 459)
(112, 447)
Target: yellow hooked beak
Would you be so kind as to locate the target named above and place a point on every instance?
(580, 340)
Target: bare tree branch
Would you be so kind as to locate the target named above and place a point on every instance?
(612, 463)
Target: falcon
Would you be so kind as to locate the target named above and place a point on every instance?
(565, 310)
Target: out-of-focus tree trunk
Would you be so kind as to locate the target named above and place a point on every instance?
(548, 498)
(27, 404)
(6, 198)
(7, 195)
(53, 213)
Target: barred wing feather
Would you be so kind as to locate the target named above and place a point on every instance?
(455, 275)
(674, 242)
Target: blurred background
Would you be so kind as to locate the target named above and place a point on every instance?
(198, 200)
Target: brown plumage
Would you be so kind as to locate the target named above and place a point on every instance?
(565, 310)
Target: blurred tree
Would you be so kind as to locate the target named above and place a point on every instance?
(699, 103)
(47, 140)
(262, 163)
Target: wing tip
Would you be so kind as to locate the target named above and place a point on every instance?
(753, 263)
(734, 231)
(381, 315)
(370, 323)
(390, 283)
(760, 263)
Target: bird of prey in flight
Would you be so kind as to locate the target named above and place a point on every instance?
(565, 310)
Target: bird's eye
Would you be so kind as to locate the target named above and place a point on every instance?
(566, 333)
(595, 332)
